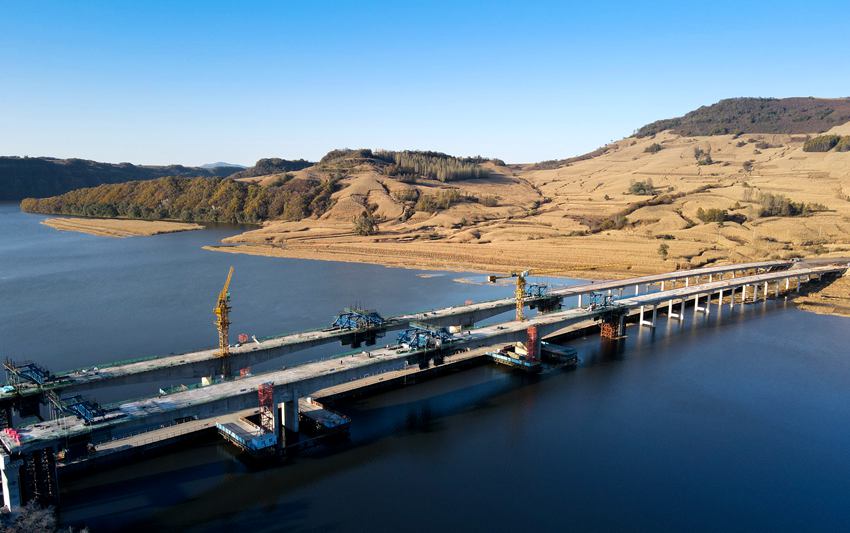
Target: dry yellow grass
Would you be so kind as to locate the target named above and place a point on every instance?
(832, 299)
(544, 219)
(118, 228)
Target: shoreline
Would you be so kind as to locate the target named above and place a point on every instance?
(411, 262)
(832, 299)
(118, 228)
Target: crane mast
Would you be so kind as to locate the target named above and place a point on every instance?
(222, 317)
(520, 290)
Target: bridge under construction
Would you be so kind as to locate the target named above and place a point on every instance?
(265, 412)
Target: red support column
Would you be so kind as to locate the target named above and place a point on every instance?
(533, 343)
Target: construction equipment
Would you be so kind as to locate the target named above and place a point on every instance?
(353, 318)
(222, 317)
(89, 411)
(424, 337)
(536, 290)
(520, 290)
(26, 372)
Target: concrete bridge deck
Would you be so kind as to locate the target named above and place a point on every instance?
(293, 383)
(195, 365)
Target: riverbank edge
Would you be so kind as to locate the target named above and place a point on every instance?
(118, 228)
(811, 301)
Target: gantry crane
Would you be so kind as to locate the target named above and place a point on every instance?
(222, 317)
(520, 290)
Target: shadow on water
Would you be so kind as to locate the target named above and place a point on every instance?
(210, 486)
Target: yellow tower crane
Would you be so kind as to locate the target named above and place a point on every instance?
(520, 290)
(222, 317)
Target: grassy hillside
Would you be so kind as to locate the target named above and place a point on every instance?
(39, 177)
(640, 205)
(757, 115)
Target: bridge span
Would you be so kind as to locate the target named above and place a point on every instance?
(30, 451)
(205, 363)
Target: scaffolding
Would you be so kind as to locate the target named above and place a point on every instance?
(613, 323)
(532, 345)
(265, 393)
(39, 481)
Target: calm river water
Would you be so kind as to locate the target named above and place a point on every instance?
(740, 421)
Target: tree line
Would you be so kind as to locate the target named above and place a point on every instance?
(408, 165)
(193, 200)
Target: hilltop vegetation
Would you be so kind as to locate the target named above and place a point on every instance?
(433, 165)
(409, 164)
(272, 165)
(757, 115)
(39, 177)
(193, 200)
(276, 193)
(825, 143)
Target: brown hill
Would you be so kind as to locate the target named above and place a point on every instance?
(599, 216)
(757, 115)
(642, 204)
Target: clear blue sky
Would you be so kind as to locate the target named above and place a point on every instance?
(196, 82)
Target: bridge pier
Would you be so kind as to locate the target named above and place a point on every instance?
(650, 323)
(697, 308)
(290, 413)
(5, 415)
(10, 471)
(613, 326)
(680, 315)
(39, 480)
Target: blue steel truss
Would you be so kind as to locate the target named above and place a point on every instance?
(420, 337)
(86, 410)
(599, 299)
(28, 371)
(358, 319)
(536, 290)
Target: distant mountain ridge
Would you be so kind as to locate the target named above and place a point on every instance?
(221, 164)
(757, 115)
(40, 177)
